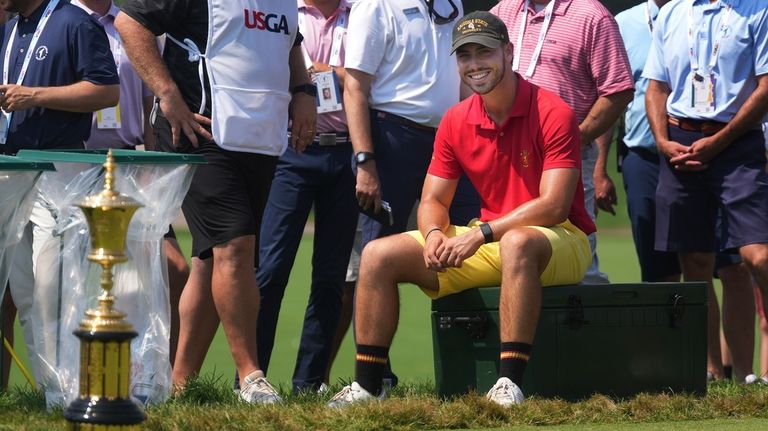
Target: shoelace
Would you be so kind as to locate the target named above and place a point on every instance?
(343, 394)
(262, 385)
(505, 388)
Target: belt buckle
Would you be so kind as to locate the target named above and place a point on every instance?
(327, 139)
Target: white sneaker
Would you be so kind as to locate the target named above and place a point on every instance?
(257, 390)
(352, 394)
(505, 393)
(323, 388)
(754, 380)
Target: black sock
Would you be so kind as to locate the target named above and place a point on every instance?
(369, 367)
(513, 359)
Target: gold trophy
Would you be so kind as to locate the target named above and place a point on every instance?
(104, 401)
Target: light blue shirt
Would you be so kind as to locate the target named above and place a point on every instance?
(633, 25)
(743, 53)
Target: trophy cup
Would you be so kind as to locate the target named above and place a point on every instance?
(105, 336)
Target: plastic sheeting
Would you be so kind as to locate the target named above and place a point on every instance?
(140, 285)
(17, 193)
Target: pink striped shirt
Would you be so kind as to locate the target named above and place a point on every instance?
(318, 40)
(583, 56)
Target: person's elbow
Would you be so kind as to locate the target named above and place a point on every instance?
(105, 96)
(623, 98)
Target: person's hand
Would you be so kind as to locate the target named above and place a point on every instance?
(605, 193)
(303, 114)
(16, 97)
(671, 149)
(454, 251)
(367, 189)
(182, 120)
(699, 154)
(434, 241)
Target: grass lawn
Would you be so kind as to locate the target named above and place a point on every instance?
(212, 404)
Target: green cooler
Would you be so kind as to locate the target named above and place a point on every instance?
(613, 339)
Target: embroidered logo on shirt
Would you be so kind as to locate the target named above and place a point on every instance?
(41, 53)
(524, 154)
(411, 11)
(263, 21)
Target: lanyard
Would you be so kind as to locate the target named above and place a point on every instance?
(539, 44)
(337, 35)
(30, 51)
(692, 53)
(649, 17)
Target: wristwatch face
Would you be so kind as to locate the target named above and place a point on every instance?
(363, 157)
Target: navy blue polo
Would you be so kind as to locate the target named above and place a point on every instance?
(73, 47)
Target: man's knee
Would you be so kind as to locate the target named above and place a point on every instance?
(234, 255)
(756, 257)
(524, 247)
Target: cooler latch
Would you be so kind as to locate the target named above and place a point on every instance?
(575, 312)
(678, 309)
(477, 325)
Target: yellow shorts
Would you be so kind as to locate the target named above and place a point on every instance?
(571, 256)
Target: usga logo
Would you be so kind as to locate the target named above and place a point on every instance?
(262, 21)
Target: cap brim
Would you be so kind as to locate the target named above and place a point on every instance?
(482, 39)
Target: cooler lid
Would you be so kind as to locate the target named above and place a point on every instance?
(121, 157)
(10, 163)
(597, 295)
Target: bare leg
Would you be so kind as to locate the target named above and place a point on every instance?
(755, 257)
(178, 273)
(699, 267)
(385, 263)
(236, 297)
(763, 346)
(738, 318)
(525, 253)
(198, 321)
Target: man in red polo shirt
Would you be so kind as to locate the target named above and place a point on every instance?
(520, 147)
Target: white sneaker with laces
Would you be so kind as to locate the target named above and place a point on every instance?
(257, 390)
(352, 394)
(505, 393)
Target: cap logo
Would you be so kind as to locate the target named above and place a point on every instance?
(472, 26)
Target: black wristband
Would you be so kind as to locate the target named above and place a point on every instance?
(485, 228)
(305, 88)
(430, 231)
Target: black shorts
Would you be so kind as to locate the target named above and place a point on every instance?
(227, 195)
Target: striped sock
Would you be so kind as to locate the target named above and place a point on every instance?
(514, 357)
(369, 367)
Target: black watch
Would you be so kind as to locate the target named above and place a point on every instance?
(305, 88)
(363, 156)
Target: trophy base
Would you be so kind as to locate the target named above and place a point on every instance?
(103, 414)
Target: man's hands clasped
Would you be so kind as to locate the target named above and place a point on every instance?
(441, 252)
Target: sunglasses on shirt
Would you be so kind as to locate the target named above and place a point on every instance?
(439, 19)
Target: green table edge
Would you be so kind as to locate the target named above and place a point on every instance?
(10, 163)
(121, 157)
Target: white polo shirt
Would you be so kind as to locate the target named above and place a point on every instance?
(396, 41)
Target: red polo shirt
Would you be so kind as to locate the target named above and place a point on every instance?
(505, 163)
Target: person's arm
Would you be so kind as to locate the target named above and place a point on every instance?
(141, 46)
(604, 114)
(656, 109)
(605, 190)
(357, 88)
(433, 218)
(149, 135)
(303, 107)
(82, 96)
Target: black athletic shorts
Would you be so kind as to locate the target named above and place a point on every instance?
(227, 195)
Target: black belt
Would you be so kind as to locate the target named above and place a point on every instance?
(402, 121)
